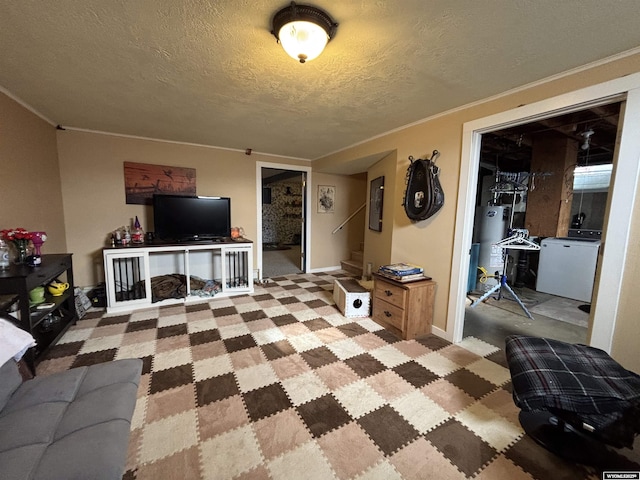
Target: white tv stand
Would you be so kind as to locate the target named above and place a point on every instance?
(129, 270)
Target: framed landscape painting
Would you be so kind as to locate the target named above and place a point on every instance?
(142, 180)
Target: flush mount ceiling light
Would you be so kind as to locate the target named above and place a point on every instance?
(303, 31)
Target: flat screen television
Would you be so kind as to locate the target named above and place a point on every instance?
(186, 218)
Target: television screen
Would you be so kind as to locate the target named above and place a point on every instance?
(182, 218)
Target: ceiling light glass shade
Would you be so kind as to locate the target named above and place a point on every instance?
(303, 41)
(303, 31)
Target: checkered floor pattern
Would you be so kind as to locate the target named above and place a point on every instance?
(280, 385)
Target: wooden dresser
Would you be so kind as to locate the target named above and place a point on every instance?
(405, 309)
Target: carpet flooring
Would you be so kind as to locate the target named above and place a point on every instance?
(280, 385)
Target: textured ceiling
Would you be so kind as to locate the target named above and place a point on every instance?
(210, 72)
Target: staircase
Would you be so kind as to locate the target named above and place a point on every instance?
(354, 264)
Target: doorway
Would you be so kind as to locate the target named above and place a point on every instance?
(614, 252)
(545, 182)
(282, 245)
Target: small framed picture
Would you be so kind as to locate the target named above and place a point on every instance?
(326, 198)
(376, 195)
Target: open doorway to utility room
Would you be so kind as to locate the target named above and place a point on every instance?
(540, 207)
(283, 202)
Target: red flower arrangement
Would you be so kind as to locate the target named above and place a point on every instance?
(20, 238)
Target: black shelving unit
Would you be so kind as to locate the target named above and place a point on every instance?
(45, 325)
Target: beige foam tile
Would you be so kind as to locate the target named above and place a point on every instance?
(305, 342)
(208, 350)
(437, 363)
(173, 342)
(336, 319)
(297, 307)
(294, 329)
(229, 454)
(77, 335)
(497, 431)
(459, 355)
(272, 302)
(501, 402)
(350, 450)
(102, 343)
(491, 371)
(168, 436)
(307, 461)
(260, 325)
(447, 395)
(169, 320)
(389, 385)
(358, 398)
(141, 336)
(146, 314)
(370, 341)
(420, 411)
(252, 378)
(184, 464)
(269, 335)
(383, 470)
(502, 467)
(346, 348)
(221, 302)
(248, 357)
(139, 413)
(389, 356)
(336, 375)
(289, 366)
(171, 358)
(216, 418)
(304, 387)
(169, 310)
(281, 433)
(329, 335)
(420, 460)
(276, 311)
(201, 325)
(229, 320)
(368, 324)
(212, 367)
(135, 437)
(108, 330)
(232, 331)
(200, 315)
(54, 365)
(247, 307)
(412, 348)
(478, 346)
(170, 402)
(305, 314)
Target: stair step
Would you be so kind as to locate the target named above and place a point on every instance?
(357, 256)
(352, 267)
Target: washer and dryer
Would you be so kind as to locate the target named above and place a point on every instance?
(567, 267)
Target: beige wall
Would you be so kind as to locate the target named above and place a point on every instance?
(377, 245)
(29, 175)
(430, 242)
(327, 249)
(91, 167)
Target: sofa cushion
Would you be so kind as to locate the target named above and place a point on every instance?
(10, 380)
(71, 425)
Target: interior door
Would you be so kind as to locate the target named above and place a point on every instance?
(303, 224)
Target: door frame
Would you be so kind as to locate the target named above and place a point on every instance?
(306, 215)
(626, 171)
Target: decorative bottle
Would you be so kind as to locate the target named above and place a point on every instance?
(138, 235)
(4, 255)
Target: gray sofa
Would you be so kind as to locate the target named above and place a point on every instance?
(69, 425)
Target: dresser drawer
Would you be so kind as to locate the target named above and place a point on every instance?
(387, 313)
(390, 293)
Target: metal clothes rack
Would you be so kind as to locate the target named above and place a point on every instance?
(518, 239)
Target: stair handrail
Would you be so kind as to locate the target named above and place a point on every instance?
(339, 227)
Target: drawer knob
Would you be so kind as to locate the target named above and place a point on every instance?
(387, 314)
(388, 293)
